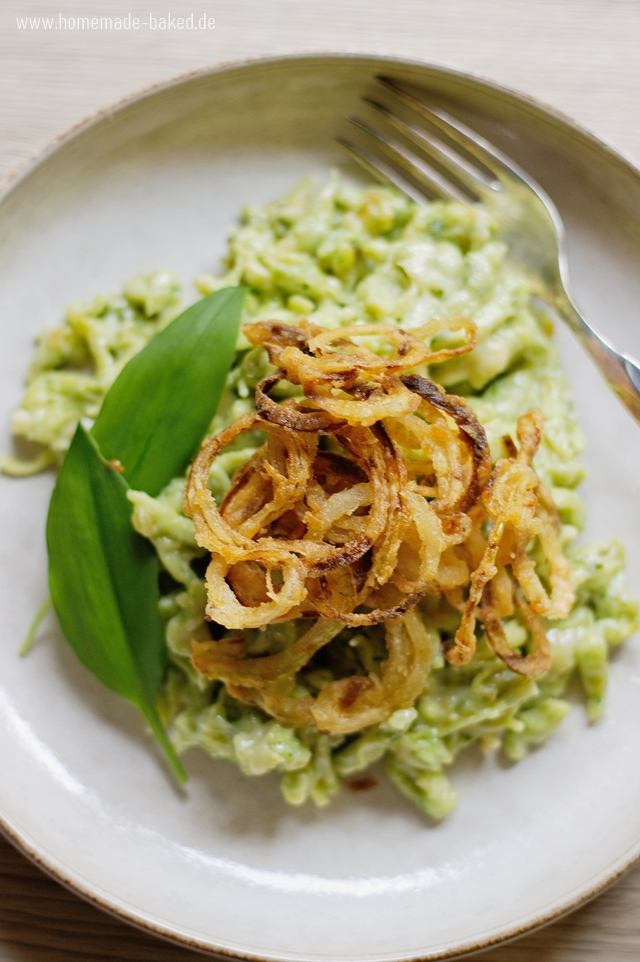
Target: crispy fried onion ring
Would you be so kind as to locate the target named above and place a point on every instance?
(268, 505)
(343, 706)
(471, 431)
(520, 508)
(303, 533)
(402, 503)
(345, 378)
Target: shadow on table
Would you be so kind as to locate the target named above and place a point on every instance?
(40, 921)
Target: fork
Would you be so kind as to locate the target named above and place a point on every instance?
(469, 169)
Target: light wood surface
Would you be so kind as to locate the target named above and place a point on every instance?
(580, 56)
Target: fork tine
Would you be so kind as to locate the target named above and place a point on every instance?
(409, 164)
(472, 142)
(474, 179)
(381, 171)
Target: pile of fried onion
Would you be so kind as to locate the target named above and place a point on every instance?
(373, 490)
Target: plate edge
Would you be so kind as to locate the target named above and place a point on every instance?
(12, 181)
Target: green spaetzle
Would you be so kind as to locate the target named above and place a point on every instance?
(338, 256)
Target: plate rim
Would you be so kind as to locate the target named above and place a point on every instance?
(11, 181)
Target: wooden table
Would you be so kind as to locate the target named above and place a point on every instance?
(581, 56)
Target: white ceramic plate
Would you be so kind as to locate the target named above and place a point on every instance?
(226, 865)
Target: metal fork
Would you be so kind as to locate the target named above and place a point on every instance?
(527, 218)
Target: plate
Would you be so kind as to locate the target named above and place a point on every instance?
(226, 866)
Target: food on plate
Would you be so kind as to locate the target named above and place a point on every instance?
(373, 555)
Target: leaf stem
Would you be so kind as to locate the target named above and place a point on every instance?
(30, 637)
(158, 730)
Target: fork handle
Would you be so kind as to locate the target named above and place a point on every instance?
(620, 371)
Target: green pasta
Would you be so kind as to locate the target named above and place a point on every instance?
(337, 256)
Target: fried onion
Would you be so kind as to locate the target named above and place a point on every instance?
(404, 503)
(519, 509)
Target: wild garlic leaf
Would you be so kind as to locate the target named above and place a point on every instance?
(103, 579)
(103, 576)
(160, 406)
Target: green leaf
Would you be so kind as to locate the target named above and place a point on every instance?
(160, 406)
(103, 579)
(103, 576)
